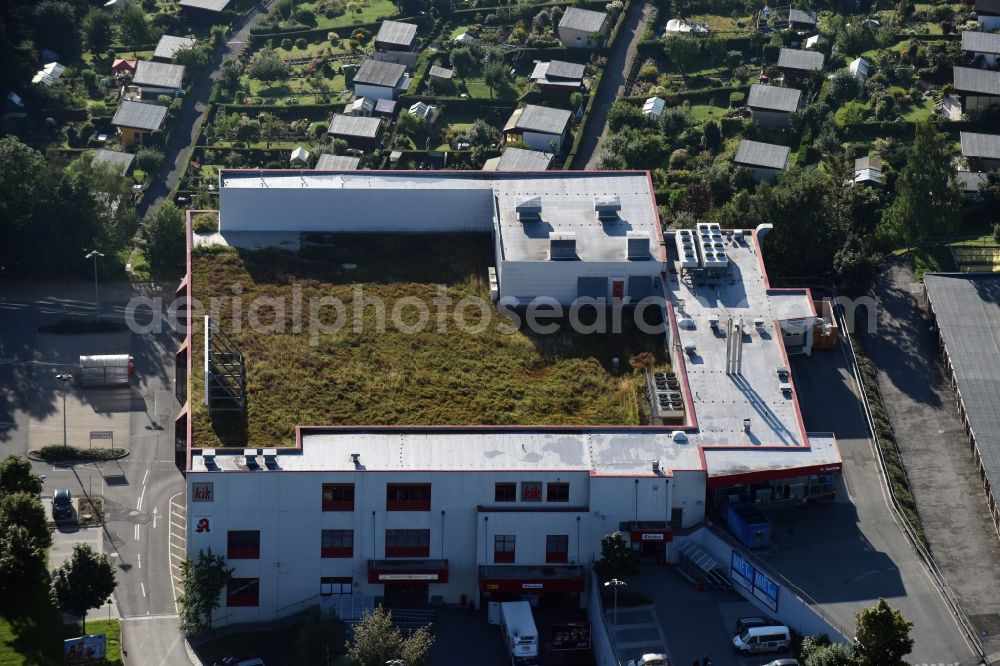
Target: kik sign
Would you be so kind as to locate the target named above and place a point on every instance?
(203, 491)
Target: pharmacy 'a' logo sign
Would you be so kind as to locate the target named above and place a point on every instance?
(202, 526)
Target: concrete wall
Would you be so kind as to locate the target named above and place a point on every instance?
(523, 279)
(355, 210)
(604, 650)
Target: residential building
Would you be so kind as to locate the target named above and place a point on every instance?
(582, 28)
(772, 105)
(538, 127)
(558, 75)
(977, 89)
(380, 80)
(985, 45)
(396, 36)
(988, 14)
(168, 46)
(765, 160)
(117, 160)
(157, 78)
(358, 131)
(981, 151)
(519, 159)
(802, 18)
(403, 514)
(797, 62)
(327, 162)
(136, 121)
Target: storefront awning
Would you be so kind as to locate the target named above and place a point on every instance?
(530, 580)
(407, 571)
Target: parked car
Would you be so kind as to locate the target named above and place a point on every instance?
(763, 639)
(62, 504)
(651, 659)
(239, 661)
(783, 662)
(753, 621)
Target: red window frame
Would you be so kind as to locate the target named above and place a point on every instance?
(408, 497)
(407, 543)
(338, 497)
(337, 543)
(243, 545)
(505, 492)
(556, 548)
(557, 491)
(243, 592)
(504, 547)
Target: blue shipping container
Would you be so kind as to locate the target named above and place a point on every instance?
(749, 525)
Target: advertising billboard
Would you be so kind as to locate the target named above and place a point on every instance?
(85, 649)
(757, 583)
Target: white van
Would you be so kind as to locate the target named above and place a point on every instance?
(762, 639)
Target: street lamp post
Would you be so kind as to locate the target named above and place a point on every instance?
(615, 583)
(64, 378)
(94, 254)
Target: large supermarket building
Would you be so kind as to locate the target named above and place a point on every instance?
(444, 513)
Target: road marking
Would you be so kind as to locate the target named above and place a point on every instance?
(144, 477)
(154, 517)
(150, 616)
(138, 557)
(138, 505)
(143, 586)
(136, 533)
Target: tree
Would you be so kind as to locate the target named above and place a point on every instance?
(149, 159)
(97, 30)
(22, 560)
(377, 641)
(132, 25)
(265, 65)
(494, 76)
(194, 58)
(682, 50)
(623, 114)
(482, 134)
(84, 581)
(819, 651)
(882, 636)
(855, 266)
(462, 60)
(928, 200)
(16, 477)
(633, 149)
(712, 134)
(843, 86)
(202, 581)
(321, 637)
(26, 511)
(56, 28)
(271, 127)
(162, 240)
(617, 560)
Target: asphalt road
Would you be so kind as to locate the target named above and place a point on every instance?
(137, 489)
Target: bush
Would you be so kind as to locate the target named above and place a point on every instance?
(736, 99)
(56, 453)
(305, 17)
(149, 159)
(205, 223)
(286, 44)
(301, 43)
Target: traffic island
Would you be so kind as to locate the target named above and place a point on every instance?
(72, 454)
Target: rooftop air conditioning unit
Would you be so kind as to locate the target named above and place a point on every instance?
(562, 247)
(208, 455)
(251, 457)
(607, 207)
(529, 210)
(637, 244)
(356, 458)
(270, 455)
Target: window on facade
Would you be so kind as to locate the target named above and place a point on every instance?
(337, 543)
(407, 543)
(505, 492)
(243, 592)
(531, 491)
(243, 545)
(408, 497)
(338, 497)
(556, 548)
(329, 586)
(503, 548)
(557, 492)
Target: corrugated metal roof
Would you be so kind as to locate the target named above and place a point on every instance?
(378, 73)
(583, 20)
(542, 119)
(803, 16)
(329, 162)
(980, 81)
(208, 5)
(773, 98)
(967, 309)
(158, 75)
(139, 116)
(396, 33)
(756, 153)
(809, 61)
(342, 125)
(980, 42)
(170, 45)
(975, 144)
(114, 158)
(520, 159)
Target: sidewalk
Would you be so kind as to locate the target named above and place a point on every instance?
(934, 448)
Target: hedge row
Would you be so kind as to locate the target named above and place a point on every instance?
(571, 157)
(694, 96)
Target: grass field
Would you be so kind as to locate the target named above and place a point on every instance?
(361, 375)
(368, 11)
(701, 113)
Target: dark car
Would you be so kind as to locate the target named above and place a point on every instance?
(62, 504)
(752, 621)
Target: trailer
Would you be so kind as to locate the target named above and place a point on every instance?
(748, 524)
(106, 370)
(520, 636)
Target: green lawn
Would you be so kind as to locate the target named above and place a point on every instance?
(459, 30)
(312, 50)
(368, 11)
(701, 113)
(717, 23)
(31, 633)
(300, 88)
(921, 111)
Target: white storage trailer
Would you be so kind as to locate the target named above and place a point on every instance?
(106, 370)
(519, 633)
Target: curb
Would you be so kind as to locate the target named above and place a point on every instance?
(33, 455)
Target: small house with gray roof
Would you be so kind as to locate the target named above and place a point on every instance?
(538, 127)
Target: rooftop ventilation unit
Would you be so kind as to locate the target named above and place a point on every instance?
(607, 206)
(356, 458)
(208, 455)
(251, 457)
(562, 247)
(270, 456)
(529, 210)
(637, 243)
(687, 256)
(711, 250)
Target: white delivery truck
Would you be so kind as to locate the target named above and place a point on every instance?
(519, 633)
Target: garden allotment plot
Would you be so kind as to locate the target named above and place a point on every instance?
(977, 259)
